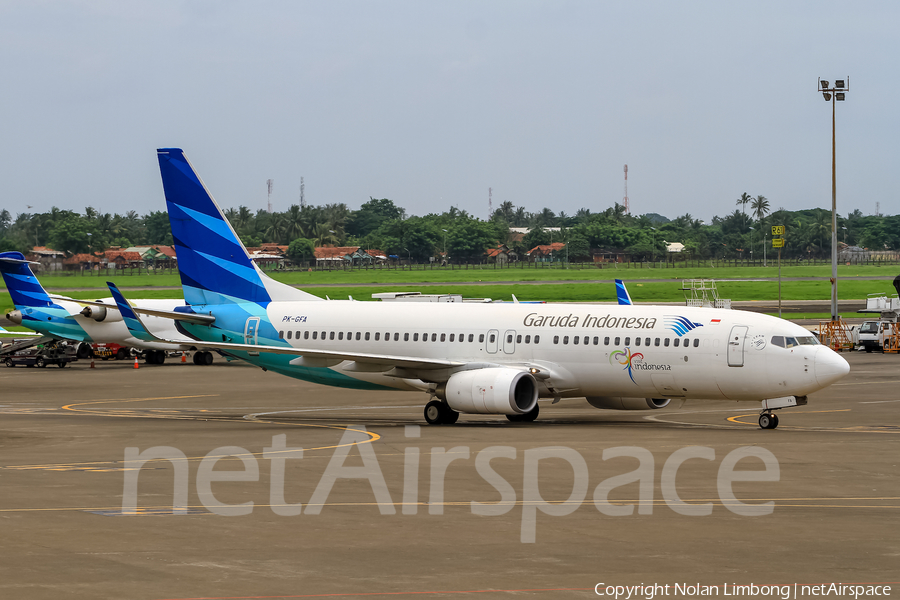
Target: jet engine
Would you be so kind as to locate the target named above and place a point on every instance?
(490, 391)
(101, 313)
(619, 403)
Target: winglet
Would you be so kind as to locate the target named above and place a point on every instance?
(135, 326)
(622, 293)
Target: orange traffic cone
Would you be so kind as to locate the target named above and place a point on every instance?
(136, 363)
(183, 358)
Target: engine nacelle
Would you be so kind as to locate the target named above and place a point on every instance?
(619, 403)
(497, 391)
(101, 313)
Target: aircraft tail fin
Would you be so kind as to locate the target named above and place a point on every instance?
(622, 293)
(215, 267)
(132, 321)
(23, 286)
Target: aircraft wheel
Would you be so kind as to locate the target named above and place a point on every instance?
(450, 416)
(206, 358)
(528, 417)
(768, 421)
(438, 413)
(160, 357)
(196, 358)
(434, 414)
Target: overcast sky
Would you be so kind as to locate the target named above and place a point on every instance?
(431, 103)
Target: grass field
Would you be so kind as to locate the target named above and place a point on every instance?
(486, 273)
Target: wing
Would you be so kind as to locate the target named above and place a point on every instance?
(138, 330)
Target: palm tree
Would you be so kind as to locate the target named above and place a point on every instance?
(760, 207)
(743, 201)
(506, 210)
(277, 228)
(520, 219)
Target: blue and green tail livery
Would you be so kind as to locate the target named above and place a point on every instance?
(222, 272)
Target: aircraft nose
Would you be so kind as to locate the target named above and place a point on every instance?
(830, 366)
(15, 316)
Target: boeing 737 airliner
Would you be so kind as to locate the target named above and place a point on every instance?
(476, 358)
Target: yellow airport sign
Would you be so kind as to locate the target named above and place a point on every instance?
(777, 229)
(779, 243)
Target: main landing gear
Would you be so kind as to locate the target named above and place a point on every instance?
(768, 420)
(203, 357)
(440, 413)
(528, 417)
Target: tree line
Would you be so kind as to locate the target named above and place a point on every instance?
(381, 224)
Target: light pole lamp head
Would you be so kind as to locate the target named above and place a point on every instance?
(839, 84)
(823, 84)
(827, 96)
(839, 96)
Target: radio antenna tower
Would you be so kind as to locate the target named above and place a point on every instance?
(625, 201)
(302, 194)
(269, 183)
(878, 209)
(490, 205)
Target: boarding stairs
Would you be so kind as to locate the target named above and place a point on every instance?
(835, 334)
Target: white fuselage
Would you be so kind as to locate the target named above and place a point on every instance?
(587, 350)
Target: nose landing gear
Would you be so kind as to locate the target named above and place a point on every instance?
(768, 420)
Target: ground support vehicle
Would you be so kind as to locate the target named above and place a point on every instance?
(883, 334)
(106, 351)
(42, 355)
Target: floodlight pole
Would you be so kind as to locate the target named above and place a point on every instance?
(834, 94)
(834, 297)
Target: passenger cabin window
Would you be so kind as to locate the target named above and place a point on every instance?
(357, 336)
(443, 337)
(289, 334)
(492, 338)
(637, 341)
(397, 337)
(606, 341)
(666, 342)
(367, 336)
(405, 337)
(596, 341)
(331, 335)
(555, 339)
(518, 339)
(527, 339)
(628, 341)
(565, 339)
(280, 335)
(306, 335)
(676, 342)
(471, 337)
(656, 342)
(697, 343)
(537, 339)
(480, 338)
(433, 337)
(575, 340)
(616, 343)
(452, 336)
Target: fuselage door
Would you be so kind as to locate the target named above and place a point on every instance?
(492, 336)
(251, 331)
(509, 341)
(736, 345)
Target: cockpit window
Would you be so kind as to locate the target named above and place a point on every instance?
(778, 340)
(807, 340)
